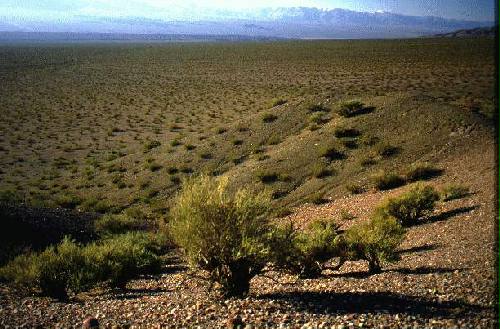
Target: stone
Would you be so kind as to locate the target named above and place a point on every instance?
(90, 322)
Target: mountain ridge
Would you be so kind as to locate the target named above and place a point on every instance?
(283, 22)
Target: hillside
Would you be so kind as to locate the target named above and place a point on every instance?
(115, 129)
(467, 33)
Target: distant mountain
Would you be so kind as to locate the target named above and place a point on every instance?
(470, 33)
(295, 22)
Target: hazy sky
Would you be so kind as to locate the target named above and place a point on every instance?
(47, 9)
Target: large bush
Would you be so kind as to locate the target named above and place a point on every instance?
(70, 267)
(221, 232)
(374, 241)
(409, 207)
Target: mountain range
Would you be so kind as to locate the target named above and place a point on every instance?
(293, 22)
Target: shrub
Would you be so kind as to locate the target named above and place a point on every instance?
(386, 150)
(374, 241)
(220, 232)
(341, 132)
(387, 181)
(355, 188)
(268, 177)
(304, 252)
(317, 198)
(70, 267)
(318, 118)
(269, 117)
(317, 108)
(151, 145)
(278, 101)
(452, 192)
(422, 171)
(331, 153)
(350, 143)
(116, 224)
(410, 206)
(320, 170)
(353, 108)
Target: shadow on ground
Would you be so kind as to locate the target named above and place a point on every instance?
(449, 214)
(357, 302)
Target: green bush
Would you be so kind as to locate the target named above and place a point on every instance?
(386, 181)
(70, 267)
(278, 101)
(317, 108)
(269, 117)
(316, 246)
(453, 192)
(331, 153)
(409, 207)
(151, 145)
(318, 118)
(221, 232)
(386, 150)
(374, 241)
(351, 108)
(341, 132)
(355, 188)
(304, 252)
(422, 171)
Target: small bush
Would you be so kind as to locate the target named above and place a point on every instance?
(387, 181)
(355, 188)
(320, 170)
(268, 177)
(304, 252)
(422, 171)
(346, 215)
(220, 232)
(410, 206)
(317, 198)
(70, 267)
(386, 150)
(353, 108)
(331, 153)
(151, 145)
(318, 118)
(375, 241)
(269, 117)
(367, 161)
(341, 132)
(453, 192)
(189, 147)
(316, 246)
(317, 108)
(278, 101)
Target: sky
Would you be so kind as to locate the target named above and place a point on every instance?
(477, 10)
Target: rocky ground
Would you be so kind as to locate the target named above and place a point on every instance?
(446, 277)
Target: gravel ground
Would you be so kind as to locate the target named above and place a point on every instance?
(445, 279)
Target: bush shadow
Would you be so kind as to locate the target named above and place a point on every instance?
(365, 302)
